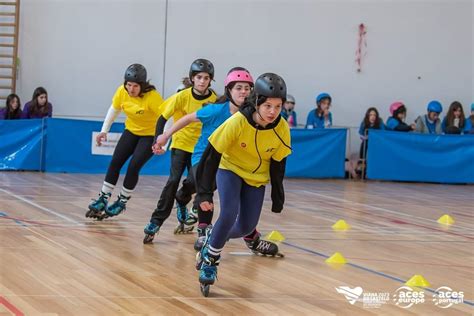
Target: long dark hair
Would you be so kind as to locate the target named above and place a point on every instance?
(144, 87)
(226, 96)
(10, 113)
(450, 116)
(377, 118)
(35, 108)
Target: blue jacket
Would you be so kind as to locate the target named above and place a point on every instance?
(466, 129)
(314, 121)
(394, 124)
(284, 114)
(362, 127)
(471, 122)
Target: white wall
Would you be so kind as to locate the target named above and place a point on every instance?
(472, 52)
(79, 49)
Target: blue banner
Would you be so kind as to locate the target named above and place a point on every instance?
(317, 153)
(420, 157)
(20, 144)
(68, 149)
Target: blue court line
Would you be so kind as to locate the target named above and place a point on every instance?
(364, 269)
(2, 214)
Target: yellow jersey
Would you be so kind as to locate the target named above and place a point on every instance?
(179, 105)
(247, 150)
(142, 112)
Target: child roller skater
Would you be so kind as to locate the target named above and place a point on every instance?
(238, 85)
(180, 104)
(141, 103)
(243, 155)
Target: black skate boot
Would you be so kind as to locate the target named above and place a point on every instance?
(262, 247)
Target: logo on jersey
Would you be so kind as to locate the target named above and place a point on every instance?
(140, 112)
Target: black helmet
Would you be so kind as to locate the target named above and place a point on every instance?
(201, 65)
(270, 85)
(135, 73)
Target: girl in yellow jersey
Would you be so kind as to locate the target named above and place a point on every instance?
(244, 154)
(141, 103)
(178, 105)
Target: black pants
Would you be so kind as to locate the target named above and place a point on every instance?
(139, 148)
(184, 195)
(188, 188)
(363, 149)
(180, 160)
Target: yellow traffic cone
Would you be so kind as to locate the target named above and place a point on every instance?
(341, 225)
(446, 220)
(417, 281)
(275, 236)
(337, 257)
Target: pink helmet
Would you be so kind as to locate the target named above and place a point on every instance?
(395, 106)
(238, 76)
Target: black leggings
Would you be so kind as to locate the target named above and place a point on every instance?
(139, 148)
(363, 149)
(180, 160)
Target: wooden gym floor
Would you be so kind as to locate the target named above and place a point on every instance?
(54, 261)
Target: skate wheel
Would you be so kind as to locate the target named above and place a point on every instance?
(179, 229)
(198, 261)
(205, 289)
(148, 239)
(197, 247)
(101, 216)
(188, 230)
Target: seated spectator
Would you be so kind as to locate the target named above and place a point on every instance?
(430, 123)
(371, 120)
(396, 121)
(454, 122)
(320, 117)
(12, 110)
(39, 106)
(471, 119)
(288, 112)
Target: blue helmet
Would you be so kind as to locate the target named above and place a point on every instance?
(322, 96)
(435, 106)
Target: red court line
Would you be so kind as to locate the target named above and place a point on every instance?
(397, 221)
(10, 307)
(59, 226)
